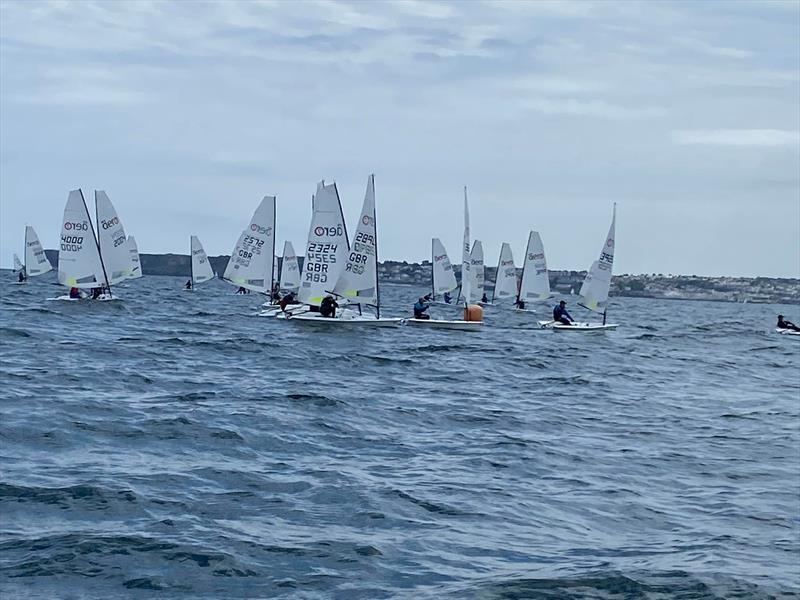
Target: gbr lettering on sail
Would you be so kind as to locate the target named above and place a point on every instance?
(320, 255)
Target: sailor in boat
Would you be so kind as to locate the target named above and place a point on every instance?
(276, 291)
(485, 298)
(286, 301)
(74, 293)
(96, 293)
(520, 304)
(328, 306)
(560, 314)
(420, 306)
(784, 324)
(22, 276)
(188, 285)
(447, 298)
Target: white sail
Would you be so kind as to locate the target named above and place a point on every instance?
(466, 272)
(79, 256)
(327, 247)
(290, 270)
(477, 269)
(112, 240)
(505, 283)
(535, 284)
(201, 266)
(251, 263)
(359, 277)
(18, 266)
(594, 291)
(135, 263)
(36, 262)
(444, 279)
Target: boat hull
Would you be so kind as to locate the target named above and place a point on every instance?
(788, 332)
(442, 324)
(345, 319)
(584, 327)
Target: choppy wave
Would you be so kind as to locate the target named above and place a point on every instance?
(174, 445)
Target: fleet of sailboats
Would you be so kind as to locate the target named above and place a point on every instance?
(338, 282)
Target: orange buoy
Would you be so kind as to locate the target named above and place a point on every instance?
(473, 312)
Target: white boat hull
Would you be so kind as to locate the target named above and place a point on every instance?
(789, 332)
(524, 310)
(442, 324)
(345, 319)
(584, 327)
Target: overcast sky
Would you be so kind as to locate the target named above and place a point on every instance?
(684, 113)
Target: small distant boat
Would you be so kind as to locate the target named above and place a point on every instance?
(358, 281)
(535, 283)
(251, 264)
(466, 284)
(595, 288)
(136, 266)
(200, 269)
(478, 270)
(290, 270)
(36, 262)
(505, 282)
(443, 278)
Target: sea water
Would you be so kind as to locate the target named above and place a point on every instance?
(176, 445)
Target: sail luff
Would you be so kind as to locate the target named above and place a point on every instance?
(466, 272)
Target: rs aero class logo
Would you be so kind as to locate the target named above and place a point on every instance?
(366, 220)
(610, 242)
(256, 228)
(69, 226)
(110, 223)
(439, 258)
(321, 231)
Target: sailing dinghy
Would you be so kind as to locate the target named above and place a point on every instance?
(478, 272)
(327, 250)
(443, 278)
(200, 269)
(358, 282)
(595, 288)
(467, 324)
(535, 283)
(505, 281)
(36, 262)
(80, 264)
(251, 264)
(136, 266)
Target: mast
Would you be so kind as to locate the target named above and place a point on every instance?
(25, 253)
(497, 273)
(433, 282)
(524, 264)
(272, 256)
(191, 262)
(377, 277)
(94, 235)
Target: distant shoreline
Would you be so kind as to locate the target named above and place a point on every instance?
(756, 290)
